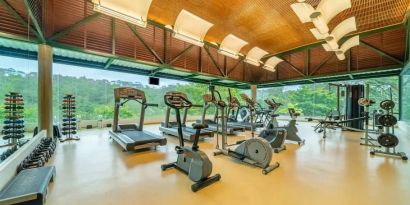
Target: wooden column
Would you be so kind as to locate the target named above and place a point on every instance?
(45, 89)
(253, 91)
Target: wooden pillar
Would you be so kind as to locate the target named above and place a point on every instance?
(45, 88)
(253, 91)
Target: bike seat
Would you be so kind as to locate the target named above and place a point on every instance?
(274, 115)
(199, 126)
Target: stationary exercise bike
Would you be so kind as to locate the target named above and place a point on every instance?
(191, 160)
(275, 136)
(291, 129)
(255, 151)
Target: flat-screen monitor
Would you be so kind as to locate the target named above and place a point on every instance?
(153, 81)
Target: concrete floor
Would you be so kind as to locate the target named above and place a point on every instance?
(333, 171)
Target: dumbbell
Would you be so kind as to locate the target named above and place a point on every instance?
(13, 131)
(43, 152)
(13, 99)
(13, 107)
(13, 121)
(71, 120)
(3, 157)
(7, 103)
(33, 156)
(11, 136)
(71, 123)
(69, 128)
(31, 161)
(49, 142)
(48, 145)
(8, 152)
(72, 132)
(46, 148)
(24, 166)
(17, 126)
(13, 94)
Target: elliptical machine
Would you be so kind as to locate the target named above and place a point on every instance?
(191, 160)
(275, 136)
(255, 151)
(291, 129)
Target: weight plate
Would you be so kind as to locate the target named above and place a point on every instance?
(387, 120)
(259, 150)
(363, 102)
(387, 104)
(388, 140)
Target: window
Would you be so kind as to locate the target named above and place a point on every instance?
(316, 100)
(94, 91)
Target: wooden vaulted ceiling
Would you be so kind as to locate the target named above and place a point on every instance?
(271, 24)
(268, 24)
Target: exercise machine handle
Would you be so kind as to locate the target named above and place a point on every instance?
(151, 104)
(177, 101)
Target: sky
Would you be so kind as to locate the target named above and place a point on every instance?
(28, 66)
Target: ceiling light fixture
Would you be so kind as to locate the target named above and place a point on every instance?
(231, 46)
(190, 28)
(124, 10)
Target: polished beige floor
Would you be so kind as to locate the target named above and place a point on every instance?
(330, 172)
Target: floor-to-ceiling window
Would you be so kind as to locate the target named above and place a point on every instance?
(405, 98)
(18, 75)
(94, 92)
(318, 99)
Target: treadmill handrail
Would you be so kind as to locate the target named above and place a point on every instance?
(151, 104)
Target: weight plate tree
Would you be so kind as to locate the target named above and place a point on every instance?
(13, 128)
(388, 139)
(69, 125)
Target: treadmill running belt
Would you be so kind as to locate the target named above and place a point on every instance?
(140, 137)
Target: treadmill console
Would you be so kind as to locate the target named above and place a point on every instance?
(129, 93)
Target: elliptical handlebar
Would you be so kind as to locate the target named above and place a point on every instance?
(218, 101)
(249, 101)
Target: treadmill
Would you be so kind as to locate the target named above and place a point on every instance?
(132, 137)
(232, 128)
(171, 128)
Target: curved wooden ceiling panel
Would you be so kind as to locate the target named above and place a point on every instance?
(271, 24)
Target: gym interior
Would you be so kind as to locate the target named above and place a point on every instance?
(209, 102)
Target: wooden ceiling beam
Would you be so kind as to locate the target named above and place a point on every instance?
(181, 54)
(294, 68)
(213, 61)
(235, 66)
(74, 26)
(318, 67)
(363, 34)
(382, 53)
(151, 50)
(38, 29)
(17, 16)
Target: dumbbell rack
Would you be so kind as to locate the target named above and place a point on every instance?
(69, 125)
(13, 128)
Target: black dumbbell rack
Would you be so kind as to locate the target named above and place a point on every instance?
(69, 124)
(13, 129)
(39, 156)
